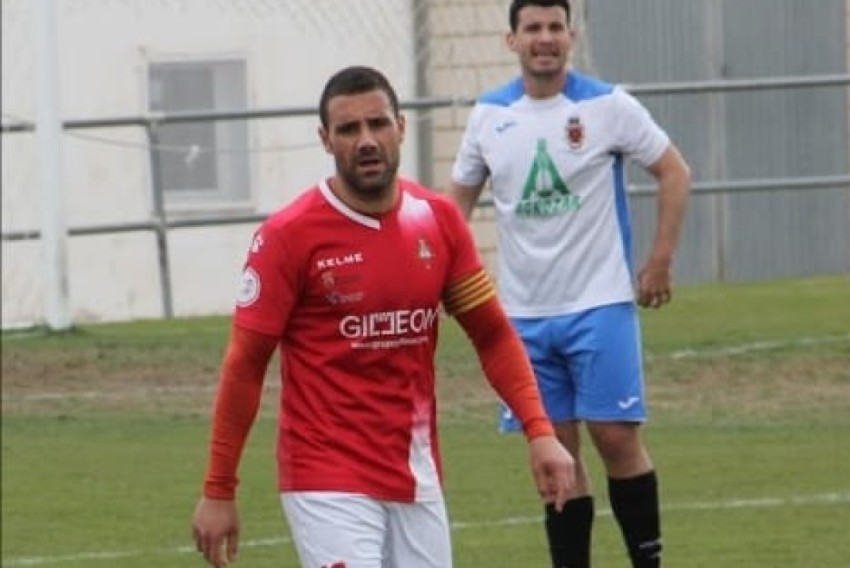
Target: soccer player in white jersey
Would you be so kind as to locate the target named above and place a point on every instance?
(347, 281)
(553, 144)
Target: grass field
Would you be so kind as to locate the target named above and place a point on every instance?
(104, 432)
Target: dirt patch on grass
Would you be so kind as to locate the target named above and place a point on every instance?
(79, 379)
(766, 387)
(57, 378)
(810, 385)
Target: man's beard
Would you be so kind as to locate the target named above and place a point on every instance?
(371, 188)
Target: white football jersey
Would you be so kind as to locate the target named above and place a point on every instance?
(557, 176)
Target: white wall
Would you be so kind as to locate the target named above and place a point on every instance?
(105, 46)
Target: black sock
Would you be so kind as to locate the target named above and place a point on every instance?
(568, 533)
(634, 502)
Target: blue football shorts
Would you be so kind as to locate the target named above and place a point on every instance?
(588, 365)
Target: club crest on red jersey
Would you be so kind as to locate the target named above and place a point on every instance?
(425, 252)
(575, 133)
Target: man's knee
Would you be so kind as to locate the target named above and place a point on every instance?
(620, 447)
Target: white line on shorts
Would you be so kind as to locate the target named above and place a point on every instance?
(834, 498)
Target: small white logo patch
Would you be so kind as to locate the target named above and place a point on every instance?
(628, 403)
(249, 288)
(257, 243)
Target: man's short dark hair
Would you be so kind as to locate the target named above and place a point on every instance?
(355, 80)
(517, 5)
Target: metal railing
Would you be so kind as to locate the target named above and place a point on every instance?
(160, 224)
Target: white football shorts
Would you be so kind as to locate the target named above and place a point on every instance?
(349, 530)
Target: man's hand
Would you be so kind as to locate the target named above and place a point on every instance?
(653, 285)
(553, 469)
(215, 528)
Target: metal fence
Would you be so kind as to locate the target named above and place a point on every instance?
(160, 223)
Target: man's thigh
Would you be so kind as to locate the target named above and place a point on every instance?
(419, 535)
(604, 358)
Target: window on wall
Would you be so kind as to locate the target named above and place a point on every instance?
(201, 163)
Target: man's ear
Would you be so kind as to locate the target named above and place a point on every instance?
(402, 125)
(509, 40)
(323, 136)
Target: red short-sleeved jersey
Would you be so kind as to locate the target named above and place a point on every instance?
(355, 301)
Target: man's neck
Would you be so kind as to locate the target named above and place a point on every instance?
(373, 205)
(544, 87)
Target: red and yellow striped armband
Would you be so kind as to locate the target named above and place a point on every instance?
(469, 293)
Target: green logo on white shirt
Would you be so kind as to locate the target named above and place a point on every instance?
(545, 193)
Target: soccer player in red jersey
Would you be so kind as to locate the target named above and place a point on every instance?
(347, 281)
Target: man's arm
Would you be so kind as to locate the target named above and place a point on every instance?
(466, 196)
(215, 524)
(506, 365)
(509, 372)
(673, 177)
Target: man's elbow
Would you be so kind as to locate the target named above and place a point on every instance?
(465, 197)
(672, 172)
